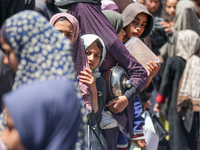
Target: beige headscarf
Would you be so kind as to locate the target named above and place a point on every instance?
(188, 43)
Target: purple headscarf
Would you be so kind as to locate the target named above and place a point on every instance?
(78, 54)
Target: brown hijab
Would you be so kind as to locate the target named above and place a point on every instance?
(132, 10)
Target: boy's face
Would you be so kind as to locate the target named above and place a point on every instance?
(66, 28)
(93, 54)
(137, 26)
(10, 136)
(170, 7)
(152, 5)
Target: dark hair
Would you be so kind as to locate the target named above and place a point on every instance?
(99, 45)
(61, 19)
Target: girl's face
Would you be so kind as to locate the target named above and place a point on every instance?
(93, 54)
(10, 136)
(152, 5)
(137, 26)
(121, 35)
(10, 58)
(170, 7)
(66, 28)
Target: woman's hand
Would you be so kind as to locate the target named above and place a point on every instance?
(118, 104)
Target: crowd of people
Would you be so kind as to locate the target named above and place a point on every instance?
(54, 59)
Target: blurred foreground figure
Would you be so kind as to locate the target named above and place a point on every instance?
(40, 116)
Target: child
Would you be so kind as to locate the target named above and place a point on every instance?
(95, 52)
(69, 27)
(138, 22)
(117, 21)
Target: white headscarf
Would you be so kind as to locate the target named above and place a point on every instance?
(87, 40)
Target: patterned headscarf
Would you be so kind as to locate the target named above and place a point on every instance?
(88, 39)
(44, 54)
(78, 54)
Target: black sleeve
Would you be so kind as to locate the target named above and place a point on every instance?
(145, 95)
(101, 93)
(132, 92)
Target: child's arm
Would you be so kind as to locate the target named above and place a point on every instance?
(88, 78)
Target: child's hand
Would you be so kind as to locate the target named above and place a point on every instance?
(118, 104)
(157, 107)
(153, 68)
(146, 105)
(166, 26)
(141, 143)
(88, 78)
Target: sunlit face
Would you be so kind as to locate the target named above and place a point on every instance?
(137, 26)
(10, 136)
(93, 53)
(170, 7)
(121, 35)
(10, 58)
(152, 5)
(66, 28)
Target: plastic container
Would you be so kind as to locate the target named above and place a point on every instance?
(141, 52)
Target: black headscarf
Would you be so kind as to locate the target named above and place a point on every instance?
(10, 7)
(64, 3)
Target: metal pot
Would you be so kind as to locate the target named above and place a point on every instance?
(117, 82)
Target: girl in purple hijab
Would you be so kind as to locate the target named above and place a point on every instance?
(68, 25)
